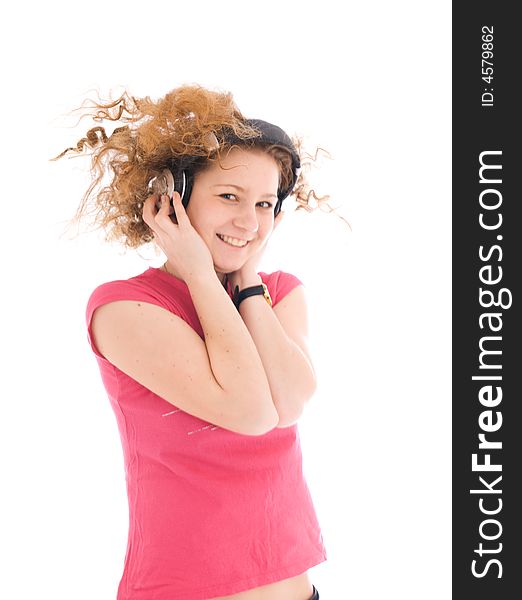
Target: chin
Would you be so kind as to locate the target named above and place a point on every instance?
(226, 268)
(227, 264)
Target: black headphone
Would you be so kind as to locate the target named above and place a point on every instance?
(271, 134)
(182, 169)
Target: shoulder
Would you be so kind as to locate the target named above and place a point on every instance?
(112, 291)
(150, 286)
(280, 284)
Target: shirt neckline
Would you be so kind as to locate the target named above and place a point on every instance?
(172, 279)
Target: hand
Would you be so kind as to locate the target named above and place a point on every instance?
(183, 246)
(247, 275)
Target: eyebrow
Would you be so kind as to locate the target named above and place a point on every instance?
(238, 187)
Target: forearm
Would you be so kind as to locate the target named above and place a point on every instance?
(233, 356)
(290, 374)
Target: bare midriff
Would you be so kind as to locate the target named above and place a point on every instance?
(294, 588)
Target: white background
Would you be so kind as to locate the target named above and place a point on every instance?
(369, 81)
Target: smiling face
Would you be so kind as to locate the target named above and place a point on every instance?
(232, 206)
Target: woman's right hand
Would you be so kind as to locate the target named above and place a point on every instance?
(183, 246)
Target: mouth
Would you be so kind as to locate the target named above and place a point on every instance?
(234, 242)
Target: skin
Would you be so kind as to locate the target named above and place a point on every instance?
(236, 199)
(163, 353)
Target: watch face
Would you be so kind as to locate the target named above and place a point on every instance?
(266, 294)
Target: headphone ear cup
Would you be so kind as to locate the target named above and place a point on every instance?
(185, 181)
(169, 181)
(162, 184)
(180, 184)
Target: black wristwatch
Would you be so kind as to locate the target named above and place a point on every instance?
(255, 290)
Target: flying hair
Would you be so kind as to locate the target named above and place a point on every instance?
(190, 125)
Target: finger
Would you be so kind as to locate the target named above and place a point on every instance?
(150, 211)
(164, 205)
(156, 218)
(179, 209)
(162, 217)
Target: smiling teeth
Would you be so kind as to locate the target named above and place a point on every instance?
(232, 241)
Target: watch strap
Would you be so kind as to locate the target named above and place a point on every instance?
(255, 290)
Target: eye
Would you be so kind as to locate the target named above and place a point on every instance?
(228, 196)
(266, 204)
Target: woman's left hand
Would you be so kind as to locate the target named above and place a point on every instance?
(247, 274)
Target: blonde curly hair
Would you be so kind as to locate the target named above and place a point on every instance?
(188, 123)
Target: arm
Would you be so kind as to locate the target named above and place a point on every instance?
(280, 336)
(220, 379)
(207, 378)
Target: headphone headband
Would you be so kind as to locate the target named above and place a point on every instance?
(183, 169)
(271, 134)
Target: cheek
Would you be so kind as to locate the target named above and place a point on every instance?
(199, 219)
(206, 231)
(267, 227)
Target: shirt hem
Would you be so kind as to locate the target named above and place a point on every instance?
(227, 589)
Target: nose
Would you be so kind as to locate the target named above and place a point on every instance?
(246, 218)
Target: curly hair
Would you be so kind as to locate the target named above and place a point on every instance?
(188, 123)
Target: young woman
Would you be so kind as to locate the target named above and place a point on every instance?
(205, 359)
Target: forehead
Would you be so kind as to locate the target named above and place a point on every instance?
(240, 164)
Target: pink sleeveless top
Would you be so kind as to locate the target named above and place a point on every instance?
(211, 512)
